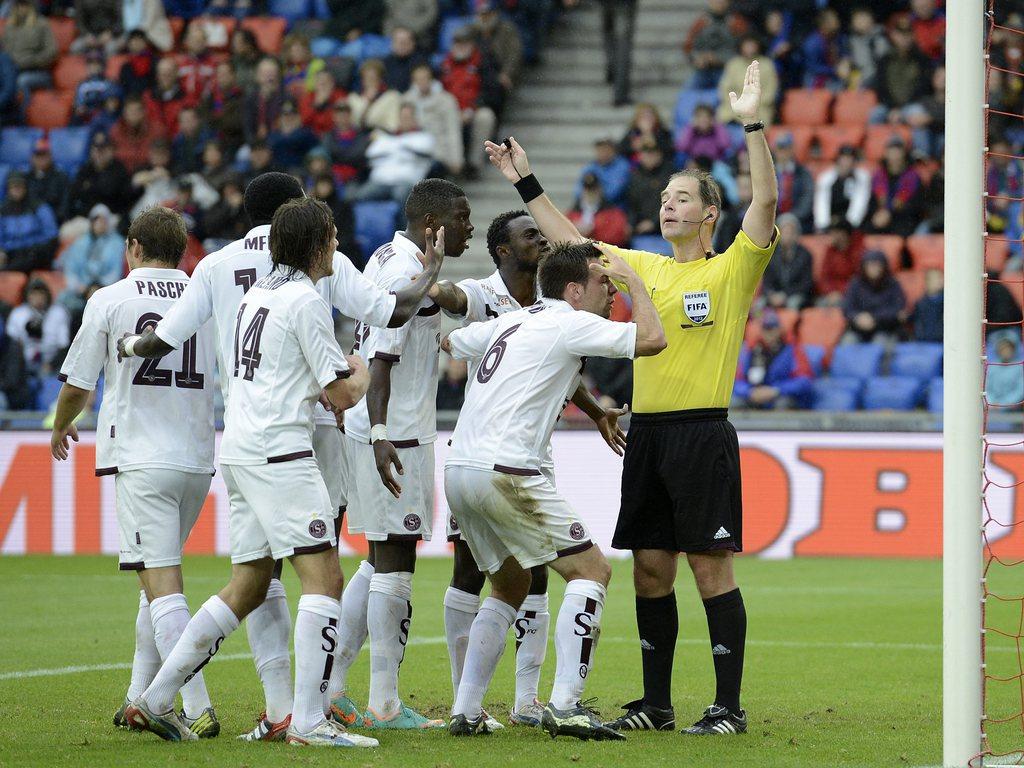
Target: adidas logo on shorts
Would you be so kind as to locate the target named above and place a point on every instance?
(722, 534)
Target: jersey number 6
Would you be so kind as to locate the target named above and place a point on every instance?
(492, 357)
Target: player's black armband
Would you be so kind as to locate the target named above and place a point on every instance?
(758, 126)
(529, 188)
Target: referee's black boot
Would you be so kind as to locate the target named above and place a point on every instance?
(718, 721)
(643, 717)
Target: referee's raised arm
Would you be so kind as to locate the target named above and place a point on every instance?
(759, 220)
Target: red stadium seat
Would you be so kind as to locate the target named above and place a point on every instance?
(69, 72)
(801, 134)
(817, 245)
(997, 251)
(12, 287)
(787, 318)
(54, 279)
(854, 107)
(269, 32)
(823, 326)
(806, 106)
(64, 32)
(878, 136)
(926, 251)
(50, 109)
(832, 138)
(890, 245)
(913, 286)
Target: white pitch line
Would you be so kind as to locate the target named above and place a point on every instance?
(871, 646)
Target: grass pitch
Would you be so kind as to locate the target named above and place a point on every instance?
(843, 669)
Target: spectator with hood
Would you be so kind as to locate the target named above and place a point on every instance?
(772, 373)
(28, 229)
(41, 327)
(95, 258)
(874, 304)
(789, 280)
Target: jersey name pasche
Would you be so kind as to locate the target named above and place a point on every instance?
(413, 349)
(155, 413)
(530, 361)
(703, 306)
(283, 354)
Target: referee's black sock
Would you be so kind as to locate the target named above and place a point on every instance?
(658, 624)
(727, 626)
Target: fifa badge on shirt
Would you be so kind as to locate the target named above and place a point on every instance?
(696, 308)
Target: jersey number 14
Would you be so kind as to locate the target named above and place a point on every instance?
(248, 355)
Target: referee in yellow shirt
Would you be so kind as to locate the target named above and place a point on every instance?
(681, 472)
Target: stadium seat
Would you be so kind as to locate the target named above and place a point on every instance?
(832, 138)
(70, 147)
(822, 326)
(816, 357)
(856, 361)
(50, 109)
(16, 146)
(46, 396)
(269, 32)
(934, 395)
(835, 395)
(69, 72)
(917, 359)
(926, 251)
(652, 243)
(802, 136)
(688, 100)
(324, 47)
(912, 284)
(54, 280)
(64, 32)
(787, 319)
(854, 107)
(806, 106)
(817, 245)
(12, 287)
(447, 30)
(997, 251)
(292, 10)
(321, 10)
(878, 136)
(375, 224)
(4, 170)
(365, 47)
(892, 393)
(890, 245)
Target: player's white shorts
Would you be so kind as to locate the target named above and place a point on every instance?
(329, 449)
(278, 510)
(453, 530)
(373, 511)
(521, 516)
(156, 509)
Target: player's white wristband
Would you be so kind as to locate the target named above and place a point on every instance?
(129, 346)
(378, 432)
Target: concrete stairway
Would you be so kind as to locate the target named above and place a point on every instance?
(563, 105)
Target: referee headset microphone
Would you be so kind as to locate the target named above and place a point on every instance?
(708, 253)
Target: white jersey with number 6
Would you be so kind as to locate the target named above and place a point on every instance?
(529, 363)
(155, 413)
(283, 353)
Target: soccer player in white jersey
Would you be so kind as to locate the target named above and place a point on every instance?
(218, 285)
(516, 245)
(510, 513)
(155, 435)
(284, 355)
(389, 439)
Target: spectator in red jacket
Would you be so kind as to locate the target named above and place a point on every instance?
(841, 263)
(929, 25)
(596, 218)
(317, 106)
(196, 66)
(471, 77)
(166, 99)
(133, 134)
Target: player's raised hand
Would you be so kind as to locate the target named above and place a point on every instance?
(747, 104)
(612, 265)
(608, 426)
(59, 445)
(511, 162)
(433, 252)
(386, 456)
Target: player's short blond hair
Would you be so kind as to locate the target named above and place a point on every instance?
(708, 189)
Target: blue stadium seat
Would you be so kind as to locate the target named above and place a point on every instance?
(835, 395)
(292, 10)
(892, 393)
(4, 170)
(689, 100)
(49, 388)
(70, 147)
(652, 243)
(16, 146)
(365, 47)
(857, 361)
(816, 357)
(934, 396)
(375, 224)
(321, 10)
(324, 47)
(447, 31)
(920, 359)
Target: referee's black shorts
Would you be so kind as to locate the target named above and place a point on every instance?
(681, 483)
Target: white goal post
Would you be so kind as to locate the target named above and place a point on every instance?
(962, 678)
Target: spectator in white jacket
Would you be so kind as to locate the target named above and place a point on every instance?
(843, 191)
(397, 160)
(41, 327)
(438, 114)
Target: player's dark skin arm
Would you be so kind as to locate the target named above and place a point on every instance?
(377, 398)
(408, 299)
(148, 345)
(449, 297)
(70, 403)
